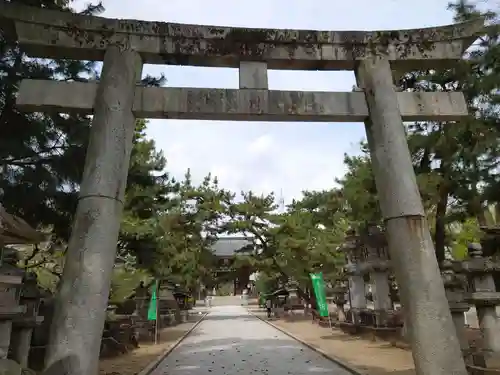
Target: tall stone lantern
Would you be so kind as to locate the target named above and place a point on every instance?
(455, 287)
(339, 298)
(11, 279)
(481, 293)
(352, 250)
(377, 264)
(13, 231)
(23, 327)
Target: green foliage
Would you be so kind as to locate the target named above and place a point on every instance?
(169, 225)
(468, 232)
(125, 280)
(147, 189)
(41, 155)
(324, 206)
(265, 284)
(291, 245)
(173, 237)
(305, 247)
(359, 191)
(456, 163)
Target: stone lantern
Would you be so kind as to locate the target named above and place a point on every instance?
(11, 278)
(339, 298)
(13, 230)
(24, 325)
(455, 293)
(483, 295)
(141, 298)
(490, 243)
(293, 298)
(378, 265)
(352, 250)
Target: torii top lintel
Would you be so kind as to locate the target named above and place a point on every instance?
(55, 34)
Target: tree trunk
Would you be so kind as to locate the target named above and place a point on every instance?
(440, 229)
(300, 291)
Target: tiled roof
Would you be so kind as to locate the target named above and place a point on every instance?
(228, 246)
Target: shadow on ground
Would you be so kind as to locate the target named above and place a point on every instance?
(341, 337)
(358, 351)
(170, 334)
(232, 355)
(276, 356)
(133, 362)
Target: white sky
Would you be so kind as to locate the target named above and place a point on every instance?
(265, 157)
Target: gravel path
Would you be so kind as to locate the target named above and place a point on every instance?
(230, 341)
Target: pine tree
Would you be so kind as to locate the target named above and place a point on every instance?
(456, 162)
(41, 155)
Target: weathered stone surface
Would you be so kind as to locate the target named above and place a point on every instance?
(47, 33)
(240, 105)
(10, 367)
(253, 75)
(231, 341)
(435, 347)
(80, 305)
(68, 365)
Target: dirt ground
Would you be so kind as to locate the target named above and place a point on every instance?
(132, 363)
(376, 358)
(366, 356)
(363, 354)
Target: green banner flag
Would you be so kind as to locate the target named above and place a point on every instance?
(152, 309)
(319, 291)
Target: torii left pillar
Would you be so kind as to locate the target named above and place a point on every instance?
(82, 298)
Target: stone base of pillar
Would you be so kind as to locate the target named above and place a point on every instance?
(341, 317)
(356, 316)
(458, 316)
(381, 318)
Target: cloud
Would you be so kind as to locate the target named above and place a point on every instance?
(261, 145)
(267, 157)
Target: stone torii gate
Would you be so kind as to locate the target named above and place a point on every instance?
(117, 100)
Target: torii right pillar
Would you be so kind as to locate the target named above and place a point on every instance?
(436, 350)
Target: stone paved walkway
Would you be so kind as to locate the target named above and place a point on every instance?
(230, 341)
